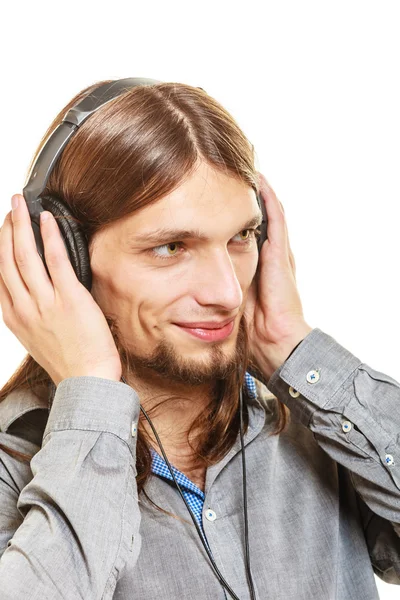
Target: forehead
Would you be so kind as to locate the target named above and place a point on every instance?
(207, 195)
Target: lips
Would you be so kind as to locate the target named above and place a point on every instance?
(207, 334)
(206, 324)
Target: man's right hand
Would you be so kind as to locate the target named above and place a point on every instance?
(57, 320)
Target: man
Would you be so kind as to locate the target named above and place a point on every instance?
(324, 497)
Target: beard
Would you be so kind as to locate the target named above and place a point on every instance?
(166, 363)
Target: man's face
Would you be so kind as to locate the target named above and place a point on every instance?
(151, 285)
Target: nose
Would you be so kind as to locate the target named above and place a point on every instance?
(216, 282)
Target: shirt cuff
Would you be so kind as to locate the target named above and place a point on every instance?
(294, 349)
(313, 375)
(94, 404)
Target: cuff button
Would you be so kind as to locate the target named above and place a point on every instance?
(312, 376)
(294, 393)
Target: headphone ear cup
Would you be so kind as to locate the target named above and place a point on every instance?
(263, 226)
(74, 238)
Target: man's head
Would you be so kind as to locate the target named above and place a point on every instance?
(165, 156)
(150, 284)
(136, 165)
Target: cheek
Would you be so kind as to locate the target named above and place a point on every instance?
(115, 295)
(246, 270)
(103, 292)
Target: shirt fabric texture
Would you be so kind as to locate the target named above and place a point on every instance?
(323, 496)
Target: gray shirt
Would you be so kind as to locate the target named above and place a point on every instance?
(323, 496)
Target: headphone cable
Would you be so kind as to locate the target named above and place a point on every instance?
(221, 579)
(246, 525)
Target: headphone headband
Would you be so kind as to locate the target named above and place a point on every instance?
(56, 142)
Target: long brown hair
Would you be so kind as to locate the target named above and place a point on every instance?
(130, 153)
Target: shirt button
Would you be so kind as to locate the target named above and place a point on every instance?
(346, 426)
(294, 393)
(312, 376)
(134, 429)
(389, 459)
(210, 515)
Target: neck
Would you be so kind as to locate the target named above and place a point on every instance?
(172, 408)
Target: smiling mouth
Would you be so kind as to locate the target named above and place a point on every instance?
(207, 334)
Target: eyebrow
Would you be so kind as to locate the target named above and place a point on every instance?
(161, 236)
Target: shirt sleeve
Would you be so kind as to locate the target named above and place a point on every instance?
(353, 412)
(73, 528)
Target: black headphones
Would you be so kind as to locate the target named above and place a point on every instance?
(76, 244)
(74, 238)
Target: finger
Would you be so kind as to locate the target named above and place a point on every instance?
(27, 258)
(280, 232)
(290, 253)
(8, 269)
(6, 302)
(292, 262)
(60, 268)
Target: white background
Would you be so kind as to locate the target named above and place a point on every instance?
(314, 85)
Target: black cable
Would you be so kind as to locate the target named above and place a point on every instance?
(216, 570)
(218, 573)
(246, 525)
(6, 482)
(18, 491)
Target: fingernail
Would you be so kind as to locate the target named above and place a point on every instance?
(14, 202)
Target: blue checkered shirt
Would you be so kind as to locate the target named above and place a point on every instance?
(193, 495)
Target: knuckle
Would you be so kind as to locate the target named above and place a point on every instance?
(55, 259)
(8, 318)
(24, 314)
(21, 316)
(14, 218)
(45, 306)
(21, 256)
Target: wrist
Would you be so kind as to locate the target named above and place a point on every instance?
(279, 353)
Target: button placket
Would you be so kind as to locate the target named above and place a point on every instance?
(389, 460)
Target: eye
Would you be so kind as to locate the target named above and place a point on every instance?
(165, 251)
(247, 236)
(175, 247)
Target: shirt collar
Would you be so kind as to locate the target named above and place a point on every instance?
(261, 405)
(258, 396)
